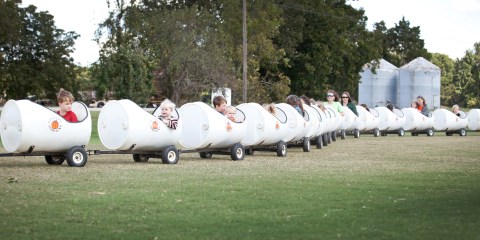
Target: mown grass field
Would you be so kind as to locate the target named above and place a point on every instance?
(368, 188)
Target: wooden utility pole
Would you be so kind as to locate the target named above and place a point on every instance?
(244, 50)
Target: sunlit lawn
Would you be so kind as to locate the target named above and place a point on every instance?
(368, 188)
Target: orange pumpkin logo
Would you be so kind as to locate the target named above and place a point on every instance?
(228, 127)
(54, 125)
(154, 125)
(277, 125)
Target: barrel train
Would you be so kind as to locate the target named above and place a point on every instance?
(125, 128)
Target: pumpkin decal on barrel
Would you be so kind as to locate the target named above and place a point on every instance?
(54, 125)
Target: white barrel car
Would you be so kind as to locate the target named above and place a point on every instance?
(265, 131)
(30, 129)
(208, 132)
(126, 128)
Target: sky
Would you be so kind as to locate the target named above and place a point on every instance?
(448, 26)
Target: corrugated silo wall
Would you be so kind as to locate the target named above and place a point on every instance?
(376, 89)
(413, 83)
(365, 87)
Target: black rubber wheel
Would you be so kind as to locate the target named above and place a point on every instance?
(77, 157)
(462, 132)
(237, 152)
(140, 158)
(325, 139)
(401, 132)
(306, 144)
(343, 134)
(170, 155)
(356, 133)
(249, 151)
(206, 155)
(376, 132)
(281, 149)
(318, 142)
(334, 135)
(55, 159)
(430, 132)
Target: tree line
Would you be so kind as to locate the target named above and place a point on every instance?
(183, 49)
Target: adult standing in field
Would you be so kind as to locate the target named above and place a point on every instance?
(422, 106)
(348, 102)
(332, 101)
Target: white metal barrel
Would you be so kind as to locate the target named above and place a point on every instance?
(446, 120)
(314, 121)
(123, 125)
(204, 127)
(332, 122)
(337, 119)
(474, 119)
(25, 124)
(322, 118)
(368, 121)
(297, 126)
(390, 120)
(415, 121)
(350, 120)
(263, 128)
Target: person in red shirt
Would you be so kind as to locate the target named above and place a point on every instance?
(65, 100)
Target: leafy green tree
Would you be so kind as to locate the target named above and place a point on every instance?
(266, 80)
(35, 54)
(466, 78)
(447, 67)
(405, 44)
(326, 44)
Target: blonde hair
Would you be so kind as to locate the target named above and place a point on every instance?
(455, 106)
(64, 95)
(270, 108)
(230, 109)
(167, 104)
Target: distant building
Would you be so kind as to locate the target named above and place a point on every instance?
(375, 89)
(400, 86)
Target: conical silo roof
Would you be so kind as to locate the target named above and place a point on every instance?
(383, 64)
(420, 63)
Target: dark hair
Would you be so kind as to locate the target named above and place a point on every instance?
(335, 94)
(365, 106)
(218, 100)
(293, 100)
(390, 106)
(424, 102)
(348, 95)
(306, 100)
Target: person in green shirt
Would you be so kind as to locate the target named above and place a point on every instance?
(348, 102)
(332, 101)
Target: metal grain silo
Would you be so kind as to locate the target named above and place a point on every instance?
(419, 77)
(375, 89)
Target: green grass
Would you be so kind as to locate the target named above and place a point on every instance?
(369, 188)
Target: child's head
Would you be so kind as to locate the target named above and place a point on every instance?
(65, 100)
(455, 108)
(320, 105)
(219, 103)
(270, 108)
(229, 112)
(167, 108)
(414, 104)
(292, 100)
(64, 96)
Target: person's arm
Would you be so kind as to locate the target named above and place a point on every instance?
(171, 123)
(353, 108)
